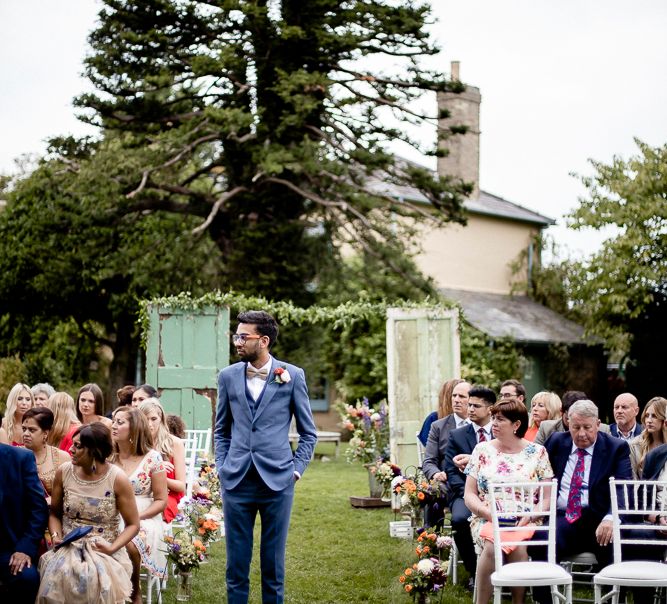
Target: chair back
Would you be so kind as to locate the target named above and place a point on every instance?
(511, 501)
(420, 451)
(631, 502)
(195, 441)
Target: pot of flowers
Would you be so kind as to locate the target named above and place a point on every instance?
(187, 554)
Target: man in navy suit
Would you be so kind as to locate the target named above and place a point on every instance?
(461, 443)
(626, 410)
(583, 460)
(257, 399)
(23, 518)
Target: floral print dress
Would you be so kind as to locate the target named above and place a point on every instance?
(487, 464)
(149, 540)
(78, 573)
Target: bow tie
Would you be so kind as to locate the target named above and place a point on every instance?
(251, 372)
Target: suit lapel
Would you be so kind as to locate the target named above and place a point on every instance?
(562, 455)
(470, 436)
(240, 385)
(599, 452)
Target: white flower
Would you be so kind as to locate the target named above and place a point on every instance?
(443, 542)
(405, 499)
(376, 417)
(425, 566)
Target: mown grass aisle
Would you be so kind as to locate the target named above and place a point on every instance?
(335, 553)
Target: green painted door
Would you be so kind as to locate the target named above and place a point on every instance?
(185, 352)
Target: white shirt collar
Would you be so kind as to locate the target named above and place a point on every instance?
(588, 450)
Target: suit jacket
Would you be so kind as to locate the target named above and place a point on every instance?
(438, 437)
(262, 439)
(613, 429)
(549, 426)
(23, 510)
(461, 440)
(654, 463)
(611, 458)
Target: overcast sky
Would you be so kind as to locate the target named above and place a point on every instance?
(561, 81)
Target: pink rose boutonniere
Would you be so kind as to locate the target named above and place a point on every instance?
(282, 376)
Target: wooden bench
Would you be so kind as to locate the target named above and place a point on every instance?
(322, 437)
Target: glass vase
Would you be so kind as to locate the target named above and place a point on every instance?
(374, 486)
(183, 586)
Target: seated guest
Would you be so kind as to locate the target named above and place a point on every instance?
(626, 410)
(461, 443)
(124, 395)
(24, 514)
(434, 457)
(583, 460)
(89, 492)
(41, 394)
(37, 423)
(172, 450)
(509, 457)
(90, 405)
(543, 406)
(549, 426)
(142, 393)
(176, 426)
(19, 400)
(65, 422)
(445, 408)
(513, 389)
(654, 434)
(143, 465)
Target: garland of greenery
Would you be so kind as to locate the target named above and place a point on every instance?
(343, 315)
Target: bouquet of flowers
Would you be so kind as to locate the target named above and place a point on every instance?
(370, 431)
(423, 578)
(416, 491)
(207, 527)
(431, 544)
(201, 515)
(207, 484)
(186, 553)
(384, 473)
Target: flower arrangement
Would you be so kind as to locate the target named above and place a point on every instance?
(424, 578)
(370, 431)
(431, 544)
(385, 472)
(207, 485)
(416, 491)
(185, 552)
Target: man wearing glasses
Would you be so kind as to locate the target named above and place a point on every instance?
(257, 399)
(513, 389)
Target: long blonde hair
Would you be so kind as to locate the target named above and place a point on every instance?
(163, 441)
(12, 405)
(551, 401)
(64, 414)
(646, 440)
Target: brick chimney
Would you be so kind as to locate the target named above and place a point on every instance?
(463, 157)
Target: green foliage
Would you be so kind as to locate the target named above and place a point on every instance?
(617, 284)
(12, 370)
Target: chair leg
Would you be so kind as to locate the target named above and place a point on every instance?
(454, 561)
(497, 595)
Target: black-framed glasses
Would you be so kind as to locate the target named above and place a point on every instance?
(241, 338)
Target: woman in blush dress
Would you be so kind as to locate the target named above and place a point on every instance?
(508, 457)
(143, 465)
(172, 450)
(89, 492)
(19, 401)
(65, 422)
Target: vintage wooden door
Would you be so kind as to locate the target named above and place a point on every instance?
(185, 352)
(422, 352)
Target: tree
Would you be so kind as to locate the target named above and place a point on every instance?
(266, 121)
(628, 276)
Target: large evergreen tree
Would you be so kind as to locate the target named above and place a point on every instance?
(267, 120)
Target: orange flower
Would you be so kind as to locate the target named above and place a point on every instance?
(426, 549)
(418, 551)
(402, 578)
(201, 531)
(197, 543)
(408, 588)
(408, 572)
(420, 496)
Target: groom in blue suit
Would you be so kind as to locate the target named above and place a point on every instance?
(257, 399)
(23, 518)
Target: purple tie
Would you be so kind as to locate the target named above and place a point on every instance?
(482, 435)
(573, 510)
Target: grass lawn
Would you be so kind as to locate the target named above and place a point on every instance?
(335, 553)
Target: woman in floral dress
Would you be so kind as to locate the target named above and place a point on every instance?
(143, 465)
(508, 457)
(88, 491)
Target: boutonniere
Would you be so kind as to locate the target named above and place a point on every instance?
(282, 376)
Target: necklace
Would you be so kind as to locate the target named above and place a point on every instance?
(46, 452)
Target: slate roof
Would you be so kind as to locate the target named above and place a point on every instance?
(517, 317)
(487, 203)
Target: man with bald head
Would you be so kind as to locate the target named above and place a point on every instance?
(626, 409)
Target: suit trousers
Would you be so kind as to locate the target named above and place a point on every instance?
(241, 506)
(462, 536)
(20, 588)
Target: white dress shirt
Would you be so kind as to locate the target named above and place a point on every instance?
(256, 384)
(486, 429)
(566, 481)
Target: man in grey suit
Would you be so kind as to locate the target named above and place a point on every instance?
(549, 426)
(434, 456)
(257, 399)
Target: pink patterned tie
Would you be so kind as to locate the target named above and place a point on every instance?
(573, 510)
(482, 435)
